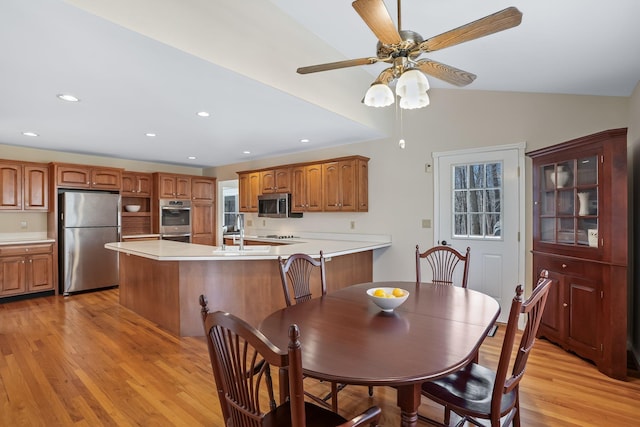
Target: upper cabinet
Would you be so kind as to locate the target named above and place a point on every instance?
(25, 186)
(248, 191)
(169, 186)
(580, 235)
(136, 184)
(345, 185)
(203, 210)
(203, 188)
(275, 181)
(326, 186)
(92, 177)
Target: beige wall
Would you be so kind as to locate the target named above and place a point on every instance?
(400, 192)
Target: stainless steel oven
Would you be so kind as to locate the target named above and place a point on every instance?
(175, 219)
(186, 238)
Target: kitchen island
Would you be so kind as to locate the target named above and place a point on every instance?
(161, 280)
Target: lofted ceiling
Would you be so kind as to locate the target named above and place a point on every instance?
(148, 66)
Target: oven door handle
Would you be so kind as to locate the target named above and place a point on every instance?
(175, 235)
(169, 208)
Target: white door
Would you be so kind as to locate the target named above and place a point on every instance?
(479, 203)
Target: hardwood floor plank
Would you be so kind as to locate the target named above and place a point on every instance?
(86, 361)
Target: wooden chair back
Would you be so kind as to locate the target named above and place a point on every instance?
(241, 357)
(533, 308)
(443, 261)
(295, 273)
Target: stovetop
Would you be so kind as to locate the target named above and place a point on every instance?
(280, 236)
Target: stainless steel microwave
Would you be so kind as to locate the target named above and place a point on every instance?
(276, 205)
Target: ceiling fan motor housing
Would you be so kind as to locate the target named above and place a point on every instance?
(410, 41)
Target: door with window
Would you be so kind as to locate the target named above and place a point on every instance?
(479, 203)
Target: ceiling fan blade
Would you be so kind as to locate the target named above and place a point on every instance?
(336, 65)
(375, 14)
(499, 21)
(445, 72)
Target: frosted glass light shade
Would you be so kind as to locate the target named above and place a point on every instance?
(410, 103)
(412, 83)
(378, 95)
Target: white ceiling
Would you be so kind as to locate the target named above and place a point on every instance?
(149, 65)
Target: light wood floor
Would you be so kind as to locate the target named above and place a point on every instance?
(86, 361)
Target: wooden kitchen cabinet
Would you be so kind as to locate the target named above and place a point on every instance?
(306, 188)
(136, 184)
(24, 186)
(26, 268)
(248, 191)
(203, 212)
(580, 229)
(91, 177)
(170, 186)
(346, 185)
(275, 181)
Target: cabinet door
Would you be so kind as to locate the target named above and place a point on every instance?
(298, 189)
(363, 185)
(12, 275)
(349, 198)
(36, 188)
(244, 192)
(106, 179)
(143, 182)
(331, 183)
(283, 180)
(203, 189)
(129, 184)
(254, 191)
(73, 176)
(183, 187)
(39, 272)
(314, 187)
(166, 187)
(203, 220)
(583, 302)
(268, 182)
(11, 186)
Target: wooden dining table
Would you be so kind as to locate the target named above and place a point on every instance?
(348, 339)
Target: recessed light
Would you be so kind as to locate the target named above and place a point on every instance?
(246, 152)
(67, 97)
(30, 134)
(304, 140)
(191, 157)
(150, 134)
(203, 114)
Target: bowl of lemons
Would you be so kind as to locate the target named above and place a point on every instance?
(388, 298)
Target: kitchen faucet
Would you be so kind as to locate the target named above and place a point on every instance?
(240, 227)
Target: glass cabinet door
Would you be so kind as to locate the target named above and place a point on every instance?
(568, 211)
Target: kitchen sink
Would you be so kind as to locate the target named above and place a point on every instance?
(248, 250)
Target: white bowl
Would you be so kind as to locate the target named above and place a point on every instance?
(132, 208)
(387, 303)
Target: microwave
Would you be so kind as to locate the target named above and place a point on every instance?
(276, 205)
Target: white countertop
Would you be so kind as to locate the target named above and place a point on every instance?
(166, 250)
(24, 238)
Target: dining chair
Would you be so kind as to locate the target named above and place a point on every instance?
(443, 261)
(241, 356)
(295, 274)
(477, 392)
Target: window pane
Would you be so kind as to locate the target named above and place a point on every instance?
(460, 225)
(493, 225)
(475, 225)
(460, 201)
(460, 177)
(476, 176)
(494, 175)
(492, 201)
(475, 201)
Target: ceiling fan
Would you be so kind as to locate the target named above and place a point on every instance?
(402, 48)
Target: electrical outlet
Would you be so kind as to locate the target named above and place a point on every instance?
(264, 222)
(426, 223)
(353, 225)
(24, 225)
(249, 223)
(427, 167)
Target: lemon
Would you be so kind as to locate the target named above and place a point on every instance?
(379, 293)
(397, 292)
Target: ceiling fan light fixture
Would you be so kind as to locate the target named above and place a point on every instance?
(379, 95)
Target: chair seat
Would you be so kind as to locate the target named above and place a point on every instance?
(469, 389)
(315, 416)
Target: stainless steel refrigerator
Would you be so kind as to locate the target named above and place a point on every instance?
(87, 221)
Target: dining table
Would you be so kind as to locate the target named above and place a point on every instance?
(348, 339)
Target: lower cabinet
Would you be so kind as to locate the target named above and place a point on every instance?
(203, 220)
(580, 314)
(26, 269)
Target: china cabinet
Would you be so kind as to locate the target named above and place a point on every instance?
(580, 237)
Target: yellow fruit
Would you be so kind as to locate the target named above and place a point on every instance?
(379, 293)
(397, 292)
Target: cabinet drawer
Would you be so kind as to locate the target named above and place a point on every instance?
(563, 265)
(44, 248)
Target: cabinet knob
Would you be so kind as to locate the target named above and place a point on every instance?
(564, 265)
(565, 305)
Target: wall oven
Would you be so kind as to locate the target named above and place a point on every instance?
(175, 220)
